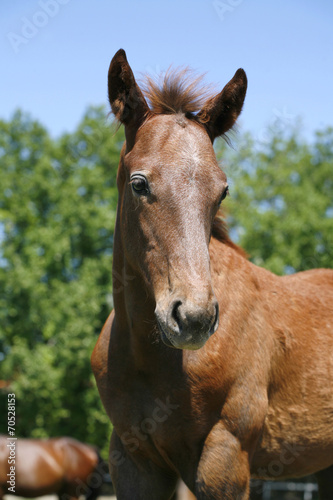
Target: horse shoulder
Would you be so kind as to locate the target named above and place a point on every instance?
(311, 300)
(300, 310)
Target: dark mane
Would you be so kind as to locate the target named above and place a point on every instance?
(180, 91)
(221, 233)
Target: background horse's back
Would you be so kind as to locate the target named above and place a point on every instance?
(62, 465)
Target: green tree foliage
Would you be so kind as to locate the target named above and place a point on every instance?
(57, 209)
(281, 204)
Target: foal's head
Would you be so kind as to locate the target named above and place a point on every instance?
(170, 189)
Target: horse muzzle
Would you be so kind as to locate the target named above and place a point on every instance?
(186, 324)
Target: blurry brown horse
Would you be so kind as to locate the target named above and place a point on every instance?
(61, 465)
(210, 368)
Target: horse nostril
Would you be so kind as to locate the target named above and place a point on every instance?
(216, 319)
(190, 317)
(187, 324)
(175, 316)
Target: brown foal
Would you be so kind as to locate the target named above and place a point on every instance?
(210, 368)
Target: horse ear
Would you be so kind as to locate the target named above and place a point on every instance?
(126, 99)
(220, 113)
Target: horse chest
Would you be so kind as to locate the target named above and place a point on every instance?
(143, 417)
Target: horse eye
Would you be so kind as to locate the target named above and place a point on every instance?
(224, 194)
(140, 185)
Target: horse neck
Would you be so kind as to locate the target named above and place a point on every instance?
(136, 327)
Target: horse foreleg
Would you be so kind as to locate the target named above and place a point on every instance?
(135, 478)
(223, 470)
(325, 483)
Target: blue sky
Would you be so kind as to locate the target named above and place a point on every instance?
(55, 54)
